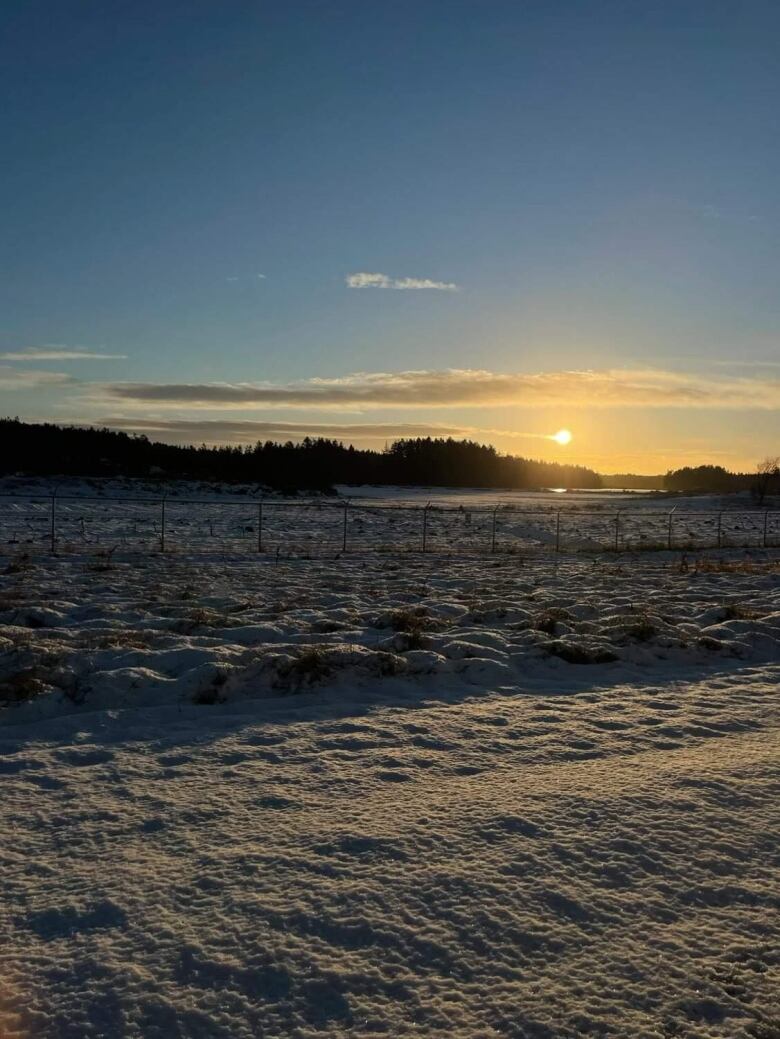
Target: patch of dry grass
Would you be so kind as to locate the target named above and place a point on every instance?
(738, 566)
(19, 686)
(414, 622)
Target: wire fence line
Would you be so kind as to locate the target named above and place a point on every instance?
(68, 523)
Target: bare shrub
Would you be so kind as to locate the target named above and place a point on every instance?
(414, 622)
(22, 685)
(211, 694)
(641, 630)
(574, 654)
(549, 619)
(309, 666)
(20, 564)
(734, 611)
(105, 561)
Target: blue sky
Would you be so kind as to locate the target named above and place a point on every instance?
(600, 181)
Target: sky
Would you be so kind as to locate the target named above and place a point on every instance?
(232, 221)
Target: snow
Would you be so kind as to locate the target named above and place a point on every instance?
(390, 796)
(38, 514)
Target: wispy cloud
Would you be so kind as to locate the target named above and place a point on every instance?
(465, 388)
(747, 364)
(364, 280)
(20, 379)
(58, 353)
(238, 431)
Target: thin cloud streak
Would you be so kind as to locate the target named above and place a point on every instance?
(611, 388)
(365, 280)
(747, 364)
(240, 431)
(21, 379)
(58, 353)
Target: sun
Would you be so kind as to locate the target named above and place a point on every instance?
(562, 437)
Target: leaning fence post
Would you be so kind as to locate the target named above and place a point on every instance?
(344, 537)
(162, 525)
(558, 531)
(720, 529)
(425, 528)
(493, 533)
(669, 534)
(259, 526)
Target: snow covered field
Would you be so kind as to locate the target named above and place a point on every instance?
(390, 796)
(38, 515)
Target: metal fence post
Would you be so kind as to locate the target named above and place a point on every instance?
(52, 532)
(617, 530)
(344, 537)
(162, 525)
(425, 528)
(720, 530)
(259, 526)
(766, 521)
(669, 533)
(558, 531)
(493, 532)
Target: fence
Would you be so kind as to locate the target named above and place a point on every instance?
(67, 523)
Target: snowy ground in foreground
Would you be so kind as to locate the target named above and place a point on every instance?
(363, 797)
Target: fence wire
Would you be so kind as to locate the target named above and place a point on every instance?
(66, 523)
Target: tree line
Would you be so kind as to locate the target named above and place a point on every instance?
(317, 464)
(762, 483)
(45, 449)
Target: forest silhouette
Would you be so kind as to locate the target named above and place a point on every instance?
(314, 464)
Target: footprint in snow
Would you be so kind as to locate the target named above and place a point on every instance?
(564, 906)
(430, 743)
(172, 760)
(278, 803)
(325, 1003)
(270, 756)
(393, 776)
(11, 766)
(63, 921)
(467, 770)
(360, 846)
(82, 758)
(233, 758)
(44, 782)
(153, 825)
(264, 739)
(516, 824)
